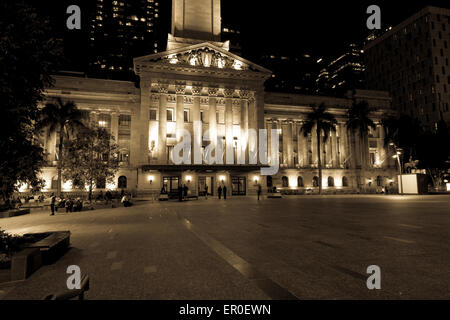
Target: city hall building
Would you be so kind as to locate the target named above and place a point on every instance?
(199, 86)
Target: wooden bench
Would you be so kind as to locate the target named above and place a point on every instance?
(52, 245)
(71, 294)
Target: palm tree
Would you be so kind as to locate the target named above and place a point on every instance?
(61, 117)
(324, 122)
(358, 120)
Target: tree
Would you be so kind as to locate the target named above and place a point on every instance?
(324, 122)
(89, 158)
(433, 152)
(28, 58)
(64, 118)
(358, 120)
(405, 132)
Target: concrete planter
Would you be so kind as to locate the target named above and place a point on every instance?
(25, 263)
(52, 246)
(14, 213)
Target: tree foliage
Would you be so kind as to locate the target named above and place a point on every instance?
(28, 58)
(64, 118)
(91, 157)
(324, 122)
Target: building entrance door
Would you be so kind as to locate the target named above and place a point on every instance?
(203, 182)
(171, 184)
(238, 186)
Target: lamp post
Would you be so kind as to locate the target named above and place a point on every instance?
(397, 156)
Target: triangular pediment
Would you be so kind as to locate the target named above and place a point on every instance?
(202, 55)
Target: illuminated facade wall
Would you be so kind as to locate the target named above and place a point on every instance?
(145, 123)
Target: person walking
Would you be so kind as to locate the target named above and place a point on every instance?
(206, 192)
(224, 192)
(185, 192)
(219, 192)
(180, 193)
(52, 204)
(259, 191)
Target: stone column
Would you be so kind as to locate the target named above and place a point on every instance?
(244, 125)
(314, 146)
(162, 124)
(197, 126)
(253, 125)
(212, 92)
(228, 93)
(334, 147)
(115, 126)
(144, 122)
(381, 148)
(180, 89)
(290, 147)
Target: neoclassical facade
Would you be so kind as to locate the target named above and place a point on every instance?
(198, 86)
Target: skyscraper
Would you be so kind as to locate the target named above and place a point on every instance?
(343, 73)
(411, 62)
(123, 29)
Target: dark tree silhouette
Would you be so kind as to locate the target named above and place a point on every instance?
(28, 58)
(324, 122)
(62, 117)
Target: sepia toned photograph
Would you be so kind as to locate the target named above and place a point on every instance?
(224, 155)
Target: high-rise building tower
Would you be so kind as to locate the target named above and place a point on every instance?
(343, 73)
(411, 61)
(121, 30)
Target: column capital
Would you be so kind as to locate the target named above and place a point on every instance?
(244, 93)
(180, 88)
(163, 88)
(212, 91)
(197, 89)
(228, 92)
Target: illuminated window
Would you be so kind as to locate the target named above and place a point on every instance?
(152, 114)
(186, 115)
(170, 115)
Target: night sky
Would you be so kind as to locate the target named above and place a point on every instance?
(314, 27)
(289, 27)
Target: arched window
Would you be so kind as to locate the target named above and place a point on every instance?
(300, 182)
(379, 181)
(315, 182)
(122, 182)
(285, 182)
(269, 182)
(344, 182)
(330, 181)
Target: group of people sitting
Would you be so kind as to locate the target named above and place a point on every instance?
(71, 205)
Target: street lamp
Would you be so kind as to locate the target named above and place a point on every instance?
(398, 152)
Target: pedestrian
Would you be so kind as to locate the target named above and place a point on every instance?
(206, 192)
(219, 192)
(180, 193)
(69, 205)
(78, 205)
(52, 204)
(224, 192)
(259, 191)
(122, 193)
(185, 192)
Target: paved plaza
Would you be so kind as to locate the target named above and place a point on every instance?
(298, 247)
